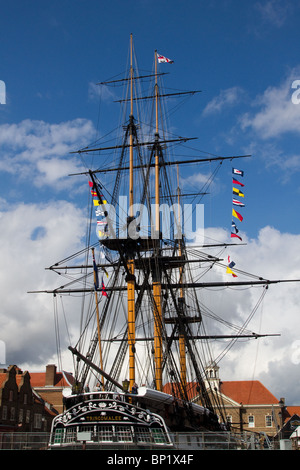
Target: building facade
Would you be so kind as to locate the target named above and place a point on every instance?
(248, 404)
(21, 408)
(50, 385)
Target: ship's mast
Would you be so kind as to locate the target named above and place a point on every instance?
(98, 319)
(181, 300)
(130, 263)
(156, 270)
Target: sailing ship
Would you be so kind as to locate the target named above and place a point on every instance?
(148, 351)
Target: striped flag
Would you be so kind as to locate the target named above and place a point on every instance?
(235, 171)
(235, 202)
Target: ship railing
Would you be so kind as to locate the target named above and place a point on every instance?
(188, 441)
(110, 434)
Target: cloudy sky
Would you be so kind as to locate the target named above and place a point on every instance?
(244, 57)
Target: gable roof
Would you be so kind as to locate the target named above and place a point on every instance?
(248, 392)
(293, 410)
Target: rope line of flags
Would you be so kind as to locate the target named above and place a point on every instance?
(101, 223)
(237, 193)
(236, 202)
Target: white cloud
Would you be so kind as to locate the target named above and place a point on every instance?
(226, 98)
(277, 114)
(274, 12)
(33, 237)
(101, 91)
(41, 151)
(275, 256)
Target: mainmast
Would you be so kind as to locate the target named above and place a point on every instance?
(130, 263)
(181, 300)
(156, 269)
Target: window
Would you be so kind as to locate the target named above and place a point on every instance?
(124, 434)
(105, 433)
(21, 414)
(142, 434)
(251, 421)
(37, 419)
(229, 419)
(11, 395)
(58, 436)
(12, 413)
(4, 412)
(25, 398)
(28, 416)
(269, 421)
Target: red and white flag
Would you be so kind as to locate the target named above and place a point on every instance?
(162, 59)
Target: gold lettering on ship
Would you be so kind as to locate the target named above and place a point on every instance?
(104, 418)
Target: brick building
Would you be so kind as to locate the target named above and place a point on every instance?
(248, 404)
(50, 385)
(21, 408)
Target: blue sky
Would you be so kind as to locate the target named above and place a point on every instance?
(242, 55)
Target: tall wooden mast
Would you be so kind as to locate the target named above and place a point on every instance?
(156, 269)
(98, 318)
(130, 263)
(181, 300)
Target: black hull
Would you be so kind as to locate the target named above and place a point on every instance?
(111, 420)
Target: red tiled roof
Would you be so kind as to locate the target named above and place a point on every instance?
(3, 378)
(38, 379)
(248, 392)
(293, 410)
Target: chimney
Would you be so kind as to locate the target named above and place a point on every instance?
(50, 375)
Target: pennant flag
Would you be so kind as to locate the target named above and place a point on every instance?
(234, 181)
(162, 59)
(91, 184)
(238, 192)
(96, 279)
(234, 227)
(235, 202)
(237, 215)
(106, 273)
(98, 203)
(228, 270)
(234, 235)
(230, 265)
(99, 213)
(103, 289)
(93, 193)
(235, 171)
